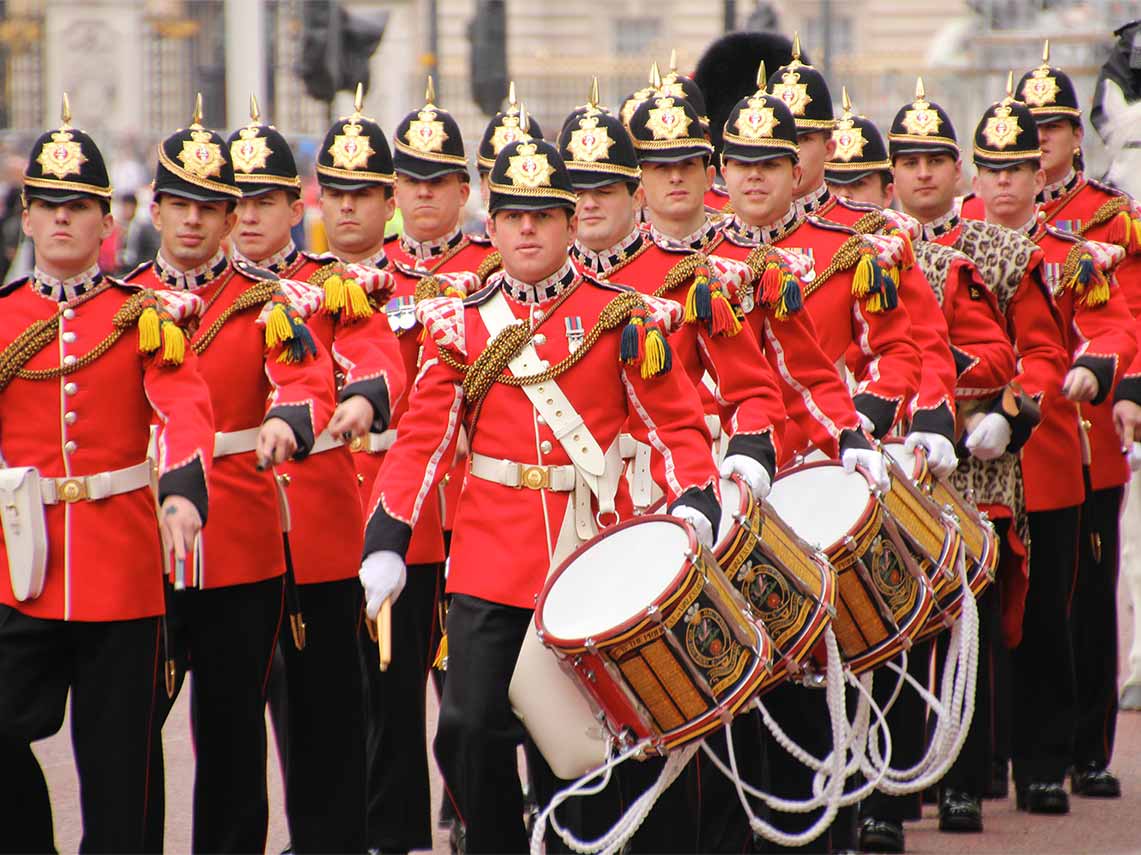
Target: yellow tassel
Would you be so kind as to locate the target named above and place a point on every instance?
(655, 360)
(440, 663)
(691, 304)
(334, 293)
(174, 344)
(356, 300)
(149, 338)
(1097, 294)
(278, 328)
(863, 277)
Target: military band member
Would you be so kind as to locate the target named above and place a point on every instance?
(323, 743)
(511, 124)
(272, 392)
(1075, 203)
(506, 538)
(87, 365)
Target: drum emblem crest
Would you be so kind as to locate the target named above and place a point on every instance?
(769, 594)
(706, 636)
(890, 574)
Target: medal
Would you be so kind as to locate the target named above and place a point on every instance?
(575, 334)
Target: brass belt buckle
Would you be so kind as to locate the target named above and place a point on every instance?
(72, 489)
(358, 444)
(534, 477)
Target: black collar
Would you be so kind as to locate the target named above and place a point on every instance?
(190, 280)
(546, 289)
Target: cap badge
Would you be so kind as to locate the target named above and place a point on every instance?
(632, 104)
(850, 141)
(667, 120)
(507, 132)
(250, 152)
(756, 121)
(350, 150)
(528, 169)
(200, 156)
(1041, 89)
(793, 93)
(1001, 129)
(672, 88)
(589, 143)
(62, 156)
(920, 120)
(426, 133)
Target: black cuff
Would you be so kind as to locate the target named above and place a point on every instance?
(298, 417)
(374, 391)
(188, 481)
(704, 500)
(853, 439)
(1102, 368)
(1022, 411)
(938, 420)
(386, 533)
(1129, 389)
(964, 362)
(758, 446)
(880, 411)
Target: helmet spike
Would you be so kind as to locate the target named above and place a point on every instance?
(920, 92)
(196, 119)
(65, 112)
(1010, 85)
(762, 77)
(255, 113)
(845, 101)
(512, 101)
(430, 91)
(673, 60)
(655, 76)
(358, 99)
(524, 119)
(592, 99)
(796, 46)
(1046, 53)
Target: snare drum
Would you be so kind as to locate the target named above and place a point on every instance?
(787, 585)
(653, 633)
(975, 532)
(883, 599)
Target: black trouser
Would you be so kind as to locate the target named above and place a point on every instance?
(226, 636)
(325, 730)
(478, 733)
(1043, 663)
(399, 801)
(112, 670)
(723, 824)
(1094, 625)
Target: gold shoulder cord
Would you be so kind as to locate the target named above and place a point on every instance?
(255, 295)
(844, 258)
(870, 223)
(491, 262)
(1105, 213)
(681, 272)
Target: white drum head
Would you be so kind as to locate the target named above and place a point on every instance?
(821, 504)
(730, 504)
(903, 456)
(614, 579)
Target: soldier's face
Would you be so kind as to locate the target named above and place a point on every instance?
(676, 190)
(1058, 139)
(431, 207)
(871, 190)
(355, 219)
(264, 223)
(1009, 194)
(925, 183)
(67, 236)
(191, 231)
(816, 149)
(533, 244)
(605, 215)
(761, 192)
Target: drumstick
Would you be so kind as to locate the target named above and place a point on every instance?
(384, 634)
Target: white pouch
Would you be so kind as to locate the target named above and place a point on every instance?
(25, 530)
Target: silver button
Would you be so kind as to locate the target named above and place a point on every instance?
(69, 337)
(68, 314)
(70, 446)
(545, 446)
(69, 360)
(70, 388)
(540, 420)
(70, 417)
(539, 339)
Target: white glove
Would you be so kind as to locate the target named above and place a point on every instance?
(1134, 457)
(383, 575)
(871, 462)
(750, 471)
(698, 520)
(866, 423)
(990, 437)
(941, 459)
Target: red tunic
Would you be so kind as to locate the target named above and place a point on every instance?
(505, 537)
(716, 198)
(104, 557)
(241, 543)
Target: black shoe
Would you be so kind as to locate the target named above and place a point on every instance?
(881, 835)
(457, 839)
(959, 811)
(1094, 781)
(1042, 797)
(999, 787)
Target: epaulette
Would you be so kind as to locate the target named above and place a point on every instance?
(284, 319)
(443, 319)
(158, 322)
(831, 225)
(139, 268)
(709, 300)
(1108, 189)
(344, 297)
(319, 257)
(871, 280)
(13, 286)
(479, 238)
(482, 295)
(853, 205)
(252, 271)
(446, 285)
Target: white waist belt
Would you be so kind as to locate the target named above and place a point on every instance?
(714, 425)
(373, 443)
(325, 441)
(229, 442)
(94, 487)
(509, 473)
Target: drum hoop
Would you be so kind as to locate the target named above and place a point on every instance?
(872, 510)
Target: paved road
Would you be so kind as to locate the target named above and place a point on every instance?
(1095, 826)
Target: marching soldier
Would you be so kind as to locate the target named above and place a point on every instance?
(1075, 203)
(271, 390)
(511, 124)
(506, 539)
(87, 365)
(323, 743)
